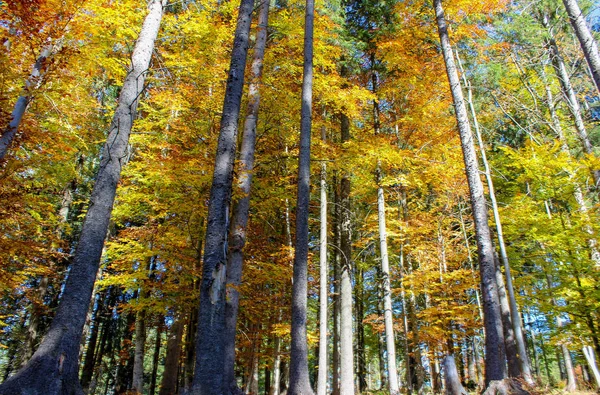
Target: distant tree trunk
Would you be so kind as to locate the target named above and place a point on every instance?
(210, 338)
(241, 209)
(451, 377)
(140, 343)
(570, 372)
(275, 388)
(123, 380)
(31, 84)
(299, 379)
(53, 369)
(390, 340)
(156, 355)
(168, 385)
(323, 273)
(90, 354)
(361, 360)
(586, 39)
(495, 352)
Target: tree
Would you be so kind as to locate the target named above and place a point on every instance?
(299, 381)
(210, 338)
(586, 39)
(495, 366)
(53, 369)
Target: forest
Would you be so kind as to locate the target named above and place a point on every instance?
(299, 197)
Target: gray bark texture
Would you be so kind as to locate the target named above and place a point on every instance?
(299, 378)
(209, 377)
(241, 209)
(588, 352)
(586, 39)
(33, 82)
(53, 369)
(494, 337)
(451, 377)
(140, 343)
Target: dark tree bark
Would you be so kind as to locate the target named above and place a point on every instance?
(53, 369)
(299, 379)
(90, 354)
(586, 39)
(494, 339)
(210, 337)
(156, 355)
(241, 210)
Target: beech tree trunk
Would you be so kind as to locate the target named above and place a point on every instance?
(451, 377)
(523, 365)
(586, 39)
(588, 352)
(299, 379)
(54, 368)
(140, 343)
(168, 385)
(156, 355)
(390, 342)
(335, 375)
(323, 273)
(31, 84)
(346, 334)
(495, 365)
(209, 375)
(241, 210)
(509, 334)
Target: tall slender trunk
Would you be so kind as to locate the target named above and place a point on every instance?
(140, 343)
(359, 305)
(390, 340)
(346, 333)
(168, 385)
(523, 365)
(509, 334)
(241, 209)
(209, 375)
(323, 273)
(586, 39)
(53, 369)
(494, 339)
(156, 355)
(299, 380)
(31, 85)
(335, 376)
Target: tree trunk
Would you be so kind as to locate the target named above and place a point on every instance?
(299, 380)
(140, 343)
(509, 334)
(571, 99)
(210, 338)
(495, 365)
(346, 333)
(588, 352)
(390, 340)
(335, 376)
(570, 372)
(53, 369)
(275, 388)
(168, 385)
(586, 39)
(31, 85)
(241, 210)
(323, 273)
(359, 305)
(156, 355)
(523, 365)
(451, 377)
